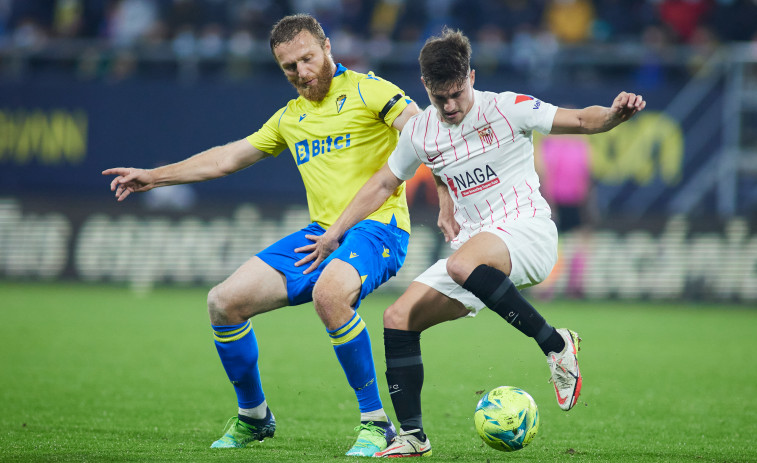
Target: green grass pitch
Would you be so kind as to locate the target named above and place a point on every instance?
(98, 373)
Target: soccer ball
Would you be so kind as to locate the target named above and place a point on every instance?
(507, 418)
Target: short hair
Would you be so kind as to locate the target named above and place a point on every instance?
(445, 60)
(289, 26)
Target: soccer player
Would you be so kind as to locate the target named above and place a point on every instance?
(481, 145)
(340, 130)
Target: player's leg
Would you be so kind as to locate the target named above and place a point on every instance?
(334, 297)
(335, 293)
(483, 265)
(370, 253)
(419, 308)
(253, 288)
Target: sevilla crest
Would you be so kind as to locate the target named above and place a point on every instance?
(486, 135)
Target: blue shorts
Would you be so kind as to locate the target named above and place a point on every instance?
(376, 250)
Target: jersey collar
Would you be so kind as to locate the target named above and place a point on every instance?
(339, 69)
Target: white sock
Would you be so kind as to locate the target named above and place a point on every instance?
(376, 415)
(257, 413)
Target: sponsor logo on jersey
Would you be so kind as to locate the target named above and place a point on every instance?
(486, 134)
(353, 255)
(302, 116)
(522, 98)
(340, 102)
(385, 254)
(451, 185)
(473, 181)
(432, 158)
(305, 150)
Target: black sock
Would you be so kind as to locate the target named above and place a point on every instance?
(496, 290)
(404, 375)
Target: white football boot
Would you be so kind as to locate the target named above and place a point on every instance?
(406, 445)
(566, 376)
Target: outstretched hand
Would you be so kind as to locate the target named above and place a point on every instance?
(321, 248)
(129, 180)
(626, 105)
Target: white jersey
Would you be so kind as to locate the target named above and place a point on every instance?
(487, 160)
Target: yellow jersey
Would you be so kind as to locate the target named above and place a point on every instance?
(338, 143)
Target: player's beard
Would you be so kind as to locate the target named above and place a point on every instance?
(318, 91)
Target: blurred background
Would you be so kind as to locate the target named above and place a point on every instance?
(664, 207)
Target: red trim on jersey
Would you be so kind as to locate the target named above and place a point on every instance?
(453, 145)
(481, 140)
(425, 134)
(479, 213)
(468, 213)
(505, 203)
(490, 210)
(531, 199)
(462, 134)
(517, 206)
(522, 98)
(436, 142)
(505, 118)
(412, 132)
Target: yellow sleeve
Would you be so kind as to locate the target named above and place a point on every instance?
(268, 138)
(382, 97)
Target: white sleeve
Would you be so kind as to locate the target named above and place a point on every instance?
(403, 162)
(531, 113)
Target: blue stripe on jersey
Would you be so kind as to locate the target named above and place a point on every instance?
(359, 93)
(282, 115)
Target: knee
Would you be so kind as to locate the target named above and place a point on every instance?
(459, 269)
(323, 300)
(220, 310)
(334, 297)
(215, 308)
(395, 319)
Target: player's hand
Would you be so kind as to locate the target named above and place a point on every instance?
(447, 223)
(626, 105)
(321, 248)
(129, 180)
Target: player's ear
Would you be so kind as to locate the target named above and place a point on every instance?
(472, 76)
(424, 83)
(327, 46)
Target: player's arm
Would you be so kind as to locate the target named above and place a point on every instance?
(410, 110)
(597, 119)
(446, 221)
(367, 201)
(212, 163)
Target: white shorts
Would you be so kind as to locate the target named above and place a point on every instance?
(533, 253)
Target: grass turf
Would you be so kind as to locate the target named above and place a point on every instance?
(98, 373)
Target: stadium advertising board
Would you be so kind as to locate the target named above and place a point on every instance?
(670, 260)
